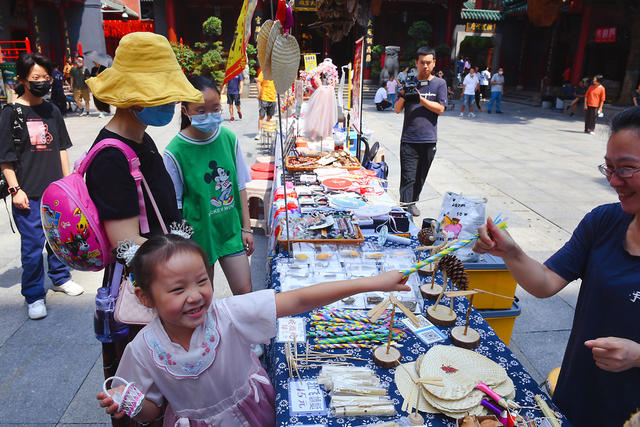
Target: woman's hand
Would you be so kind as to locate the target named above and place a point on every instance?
(20, 200)
(108, 403)
(493, 240)
(390, 281)
(247, 241)
(615, 354)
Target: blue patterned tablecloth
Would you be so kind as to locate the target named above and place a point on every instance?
(490, 346)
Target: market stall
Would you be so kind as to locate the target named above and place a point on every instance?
(423, 356)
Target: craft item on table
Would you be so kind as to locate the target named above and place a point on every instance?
(337, 184)
(346, 201)
(480, 421)
(306, 398)
(384, 236)
(452, 267)
(291, 329)
(546, 411)
(433, 291)
(454, 247)
(355, 391)
(373, 210)
(285, 59)
(306, 201)
(409, 385)
(387, 356)
(426, 331)
(427, 237)
(130, 400)
(263, 39)
(311, 359)
(324, 227)
(321, 113)
(461, 370)
(349, 254)
(341, 160)
(274, 32)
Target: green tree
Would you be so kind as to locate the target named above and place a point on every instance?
(376, 55)
(186, 57)
(211, 61)
(251, 59)
(420, 35)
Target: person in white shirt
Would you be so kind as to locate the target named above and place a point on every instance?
(485, 76)
(380, 99)
(470, 85)
(392, 84)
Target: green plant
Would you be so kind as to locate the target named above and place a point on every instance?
(419, 35)
(376, 54)
(186, 57)
(211, 61)
(442, 50)
(251, 55)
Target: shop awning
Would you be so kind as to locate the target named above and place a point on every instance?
(115, 6)
(481, 15)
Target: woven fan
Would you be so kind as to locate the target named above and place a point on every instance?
(263, 39)
(276, 30)
(285, 60)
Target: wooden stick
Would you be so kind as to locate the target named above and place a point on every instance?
(466, 322)
(393, 312)
(444, 287)
(375, 313)
(495, 295)
(404, 309)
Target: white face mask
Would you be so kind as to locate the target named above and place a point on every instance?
(499, 73)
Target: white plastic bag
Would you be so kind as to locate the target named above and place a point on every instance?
(460, 216)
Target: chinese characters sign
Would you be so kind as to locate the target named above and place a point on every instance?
(480, 27)
(606, 35)
(369, 43)
(305, 5)
(357, 82)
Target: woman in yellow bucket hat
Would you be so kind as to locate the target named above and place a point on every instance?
(144, 83)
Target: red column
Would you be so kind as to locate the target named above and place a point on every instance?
(171, 21)
(451, 16)
(576, 70)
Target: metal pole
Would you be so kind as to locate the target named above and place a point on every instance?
(284, 182)
(364, 49)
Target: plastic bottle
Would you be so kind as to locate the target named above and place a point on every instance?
(104, 324)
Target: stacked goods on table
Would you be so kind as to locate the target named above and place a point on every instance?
(340, 159)
(322, 227)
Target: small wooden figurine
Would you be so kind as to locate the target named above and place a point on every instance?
(385, 355)
(452, 267)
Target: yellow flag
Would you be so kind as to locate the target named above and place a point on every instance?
(237, 59)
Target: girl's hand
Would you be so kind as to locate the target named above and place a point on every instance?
(390, 281)
(493, 240)
(247, 241)
(615, 354)
(108, 403)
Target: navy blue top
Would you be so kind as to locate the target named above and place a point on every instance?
(233, 86)
(420, 124)
(608, 306)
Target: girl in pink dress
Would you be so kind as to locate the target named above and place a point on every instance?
(195, 354)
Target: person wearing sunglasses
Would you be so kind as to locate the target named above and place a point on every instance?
(600, 373)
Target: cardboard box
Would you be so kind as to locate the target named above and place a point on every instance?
(502, 321)
(491, 274)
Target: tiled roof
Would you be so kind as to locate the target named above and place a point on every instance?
(481, 15)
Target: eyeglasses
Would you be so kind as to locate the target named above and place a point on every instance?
(626, 172)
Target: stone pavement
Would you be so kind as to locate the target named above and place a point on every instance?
(535, 166)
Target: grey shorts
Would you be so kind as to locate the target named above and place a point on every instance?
(233, 98)
(267, 108)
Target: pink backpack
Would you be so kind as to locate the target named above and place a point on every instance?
(70, 219)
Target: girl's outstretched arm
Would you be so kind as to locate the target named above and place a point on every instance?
(305, 299)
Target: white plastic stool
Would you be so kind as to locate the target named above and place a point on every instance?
(259, 191)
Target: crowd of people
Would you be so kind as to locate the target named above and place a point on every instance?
(194, 362)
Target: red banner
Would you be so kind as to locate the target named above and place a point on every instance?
(357, 83)
(606, 35)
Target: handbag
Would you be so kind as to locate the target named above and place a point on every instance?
(128, 308)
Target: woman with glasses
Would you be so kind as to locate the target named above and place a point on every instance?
(600, 374)
(209, 176)
(33, 154)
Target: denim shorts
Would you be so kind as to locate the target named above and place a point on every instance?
(233, 98)
(235, 254)
(468, 100)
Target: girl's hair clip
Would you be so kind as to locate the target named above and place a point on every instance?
(126, 250)
(182, 229)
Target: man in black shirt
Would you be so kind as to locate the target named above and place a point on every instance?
(420, 127)
(29, 165)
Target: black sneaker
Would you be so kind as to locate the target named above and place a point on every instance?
(413, 210)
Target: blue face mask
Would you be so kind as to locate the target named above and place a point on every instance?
(207, 122)
(159, 115)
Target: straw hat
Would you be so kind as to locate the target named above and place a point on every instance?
(285, 60)
(276, 30)
(263, 39)
(145, 72)
(460, 370)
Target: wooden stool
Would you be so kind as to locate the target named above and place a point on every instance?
(259, 198)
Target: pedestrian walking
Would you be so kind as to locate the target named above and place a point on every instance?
(497, 88)
(579, 93)
(79, 75)
(460, 69)
(485, 77)
(470, 85)
(233, 90)
(67, 69)
(593, 103)
(479, 89)
(57, 90)
(392, 85)
(33, 154)
(102, 107)
(402, 76)
(419, 128)
(381, 100)
(266, 102)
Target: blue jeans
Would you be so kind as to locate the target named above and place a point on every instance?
(497, 98)
(392, 98)
(468, 100)
(31, 243)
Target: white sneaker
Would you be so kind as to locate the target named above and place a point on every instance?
(70, 288)
(37, 309)
(101, 115)
(257, 349)
(257, 137)
(472, 115)
(461, 114)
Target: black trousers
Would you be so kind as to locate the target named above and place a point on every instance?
(415, 161)
(478, 100)
(590, 119)
(383, 105)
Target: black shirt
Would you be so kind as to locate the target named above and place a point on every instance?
(113, 189)
(420, 124)
(79, 74)
(39, 153)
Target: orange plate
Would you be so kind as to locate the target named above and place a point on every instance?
(337, 183)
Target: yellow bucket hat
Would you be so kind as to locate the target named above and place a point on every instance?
(145, 72)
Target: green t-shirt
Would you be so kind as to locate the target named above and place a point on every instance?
(211, 198)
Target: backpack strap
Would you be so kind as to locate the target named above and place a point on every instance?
(134, 170)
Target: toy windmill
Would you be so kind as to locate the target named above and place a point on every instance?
(452, 267)
(385, 355)
(464, 336)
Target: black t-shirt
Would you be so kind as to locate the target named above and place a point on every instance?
(113, 189)
(79, 74)
(45, 134)
(421, 125)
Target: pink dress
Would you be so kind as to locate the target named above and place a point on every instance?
(219, 381)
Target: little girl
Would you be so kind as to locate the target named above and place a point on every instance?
(195, 354)
(209, 175)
